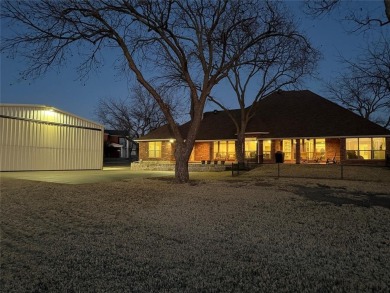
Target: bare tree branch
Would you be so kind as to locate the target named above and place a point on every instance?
(136, 115)
(363, 19)
(365, 86)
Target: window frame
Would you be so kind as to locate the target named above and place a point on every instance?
(251, 148)
(267, 153)
(226, 154)
(154, 153)
(360, 153)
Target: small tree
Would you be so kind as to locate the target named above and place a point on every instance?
(267, 68)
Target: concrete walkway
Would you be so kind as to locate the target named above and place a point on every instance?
(108, 174)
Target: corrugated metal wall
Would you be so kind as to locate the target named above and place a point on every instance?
(38, 138)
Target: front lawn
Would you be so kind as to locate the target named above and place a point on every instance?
(243, 234)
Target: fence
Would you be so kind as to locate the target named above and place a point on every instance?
(324, 171)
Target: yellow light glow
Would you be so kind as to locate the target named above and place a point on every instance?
(49, 114)
(171, 140)
(49, 111)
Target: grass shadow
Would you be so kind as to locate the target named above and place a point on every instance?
(339, 196)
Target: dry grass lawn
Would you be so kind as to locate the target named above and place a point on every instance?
(217, 234)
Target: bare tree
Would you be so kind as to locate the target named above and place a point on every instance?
(192, 44)
(362, 18)
(267, 68)
(136, 115)
(365, 86)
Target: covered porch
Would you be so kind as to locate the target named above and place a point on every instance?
(301, 150)
(257, 150)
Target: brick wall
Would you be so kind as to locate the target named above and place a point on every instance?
(278, 145)
(143, 150)
(332, 146)
(203, 151)
(343, 149)
(167, 151)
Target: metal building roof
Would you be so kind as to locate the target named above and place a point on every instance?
(45, 114)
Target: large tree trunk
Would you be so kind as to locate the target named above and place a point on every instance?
(181, 171)
(182, 155)
(240, 147)
(183, 147)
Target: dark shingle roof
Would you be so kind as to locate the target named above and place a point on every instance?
(306, 114)
(215, 125)
(284, 114)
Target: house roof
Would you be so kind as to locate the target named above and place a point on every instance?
(306, 114)
(284, 114)
(214, 126)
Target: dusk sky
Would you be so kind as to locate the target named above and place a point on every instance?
(64, 90)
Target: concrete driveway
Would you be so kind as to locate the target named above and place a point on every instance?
(108, 174)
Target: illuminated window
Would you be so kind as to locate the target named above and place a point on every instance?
(250, 148)
(231, 149)
(287, 149)
(366, 148)
(224, 150)
(308, 148)
(267, 149)
(216, 150)
(378, 148)
(320, 149)
(155, 149)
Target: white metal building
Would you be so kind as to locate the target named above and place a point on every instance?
(35, 137)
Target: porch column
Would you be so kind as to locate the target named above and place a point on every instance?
(343, 149)
(387, 146)
(260, 154)
(273, 146)
(298, 151)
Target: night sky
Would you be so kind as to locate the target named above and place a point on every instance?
(63, 88)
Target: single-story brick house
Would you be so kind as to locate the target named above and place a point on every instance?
(303, 125)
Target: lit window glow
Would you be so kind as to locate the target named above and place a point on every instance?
(155, 149)
(366, 148)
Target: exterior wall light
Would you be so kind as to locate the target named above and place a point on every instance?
(49, 111)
